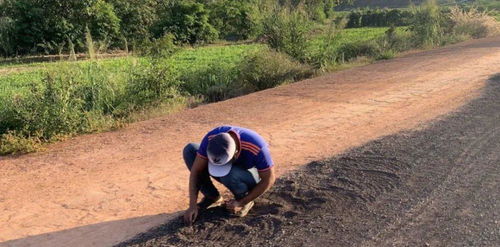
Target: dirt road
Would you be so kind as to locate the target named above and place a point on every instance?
(101, 189)
(435, 187)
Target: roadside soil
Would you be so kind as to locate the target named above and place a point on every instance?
(435, 187)
(100, 189)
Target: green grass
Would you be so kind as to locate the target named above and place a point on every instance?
(330, 49)
(186, 61)
(48, 101)
(17, 83)
(193, 59)
(45, 102)
(350, 35)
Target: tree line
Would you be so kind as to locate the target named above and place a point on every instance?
(58, 26)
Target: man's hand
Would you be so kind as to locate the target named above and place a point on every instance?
(234, 206)
(192, 212)
(190, 215)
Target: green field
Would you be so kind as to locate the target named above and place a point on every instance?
(184, 62)
(350, 35)
(190, 58)
(41, 102)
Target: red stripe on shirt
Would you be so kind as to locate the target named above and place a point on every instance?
(249, 144)
(251, 149)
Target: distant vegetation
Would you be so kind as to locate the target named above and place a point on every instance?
(373, 4)
(183, 53)
(59, 26)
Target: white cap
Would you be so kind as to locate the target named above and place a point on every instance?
(220, 151)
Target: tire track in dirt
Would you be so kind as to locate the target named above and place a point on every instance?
(88, 185)
(463, 165)
(438, 186)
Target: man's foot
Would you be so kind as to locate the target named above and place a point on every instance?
(244, 211)
(208, 202)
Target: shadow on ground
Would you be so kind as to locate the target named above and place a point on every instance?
(101, 234)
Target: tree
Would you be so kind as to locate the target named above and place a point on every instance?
(187, 21)
(103, 22)
(46, 25)
(235, 19)
(137, 17)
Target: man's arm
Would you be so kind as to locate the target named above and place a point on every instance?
(199, 165)
(267, 179)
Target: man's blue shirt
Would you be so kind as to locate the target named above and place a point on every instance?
(254, 151)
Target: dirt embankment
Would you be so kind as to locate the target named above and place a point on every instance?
(435, 187)
(101, 189)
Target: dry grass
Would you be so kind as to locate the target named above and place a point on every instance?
(477, 24)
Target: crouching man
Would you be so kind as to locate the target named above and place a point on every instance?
(238, 158)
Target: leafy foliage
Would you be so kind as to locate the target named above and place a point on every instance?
(136, 18)
(267, 69)
(46, 26)
(187, 21)
(161, 47)
(235, 19)
(428, 24)
(287, 31)
(213, 82)
(68, 98)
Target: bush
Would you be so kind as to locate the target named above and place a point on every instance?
(474, 23)
(328, 51)
(428, 24)
(334, 48)
(214, 82)
(391, 43)
(287, 31)
(235, 19)
(267, 69)
(13, 142)
(104, 25)
(257, 71)
(187, 21)
(356, 49)
(149, 85)
(159, 48)
(82, 98)
(56, 107)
